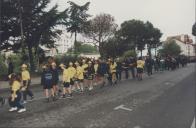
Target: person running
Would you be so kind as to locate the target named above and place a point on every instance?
(72, 72)
(55, 79)
(26, 80)
(46, 81)
(113, 71)
(90, 75)
(15, 98)
(79, 77)
(140, 68)
(66, 81)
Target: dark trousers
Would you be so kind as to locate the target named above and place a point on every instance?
(126, 73)
(16, 102)
(118, 75)
(27, 91)
(110, 78)
(132, 72)
(149, 70)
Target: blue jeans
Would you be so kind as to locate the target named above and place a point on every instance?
(16, 102)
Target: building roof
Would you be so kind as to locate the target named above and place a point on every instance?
(182, 38)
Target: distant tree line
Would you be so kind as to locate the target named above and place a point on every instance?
(27, 24)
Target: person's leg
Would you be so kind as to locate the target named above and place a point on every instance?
(17, 101)
(126, 73)
(133, 72)
(24, 93)
(46, 93)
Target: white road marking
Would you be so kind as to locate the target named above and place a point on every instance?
(193, 124)
(123, 107)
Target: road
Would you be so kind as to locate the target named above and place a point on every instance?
(164, 100)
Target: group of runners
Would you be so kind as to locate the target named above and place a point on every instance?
(83, 75)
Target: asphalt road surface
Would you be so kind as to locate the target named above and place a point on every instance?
(164, 100)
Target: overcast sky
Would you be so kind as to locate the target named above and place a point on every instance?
(172, 17)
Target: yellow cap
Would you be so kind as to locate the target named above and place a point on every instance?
(84, 60)
(61, 65)
(24, 66)
(90, 62)
(76, 63)
(70, 63)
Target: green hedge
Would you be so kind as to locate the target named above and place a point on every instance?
(3, 67)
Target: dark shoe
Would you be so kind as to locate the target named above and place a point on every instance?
(54, 98)
(32, 97)
(63, 96)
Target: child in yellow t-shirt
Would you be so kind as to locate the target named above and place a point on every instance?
(66, 81)
(72, 73)
(79, 77)
(26, 80)
(15, 97)
(140, 68)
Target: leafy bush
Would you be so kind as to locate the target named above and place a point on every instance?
(129, 53)
(3, 67)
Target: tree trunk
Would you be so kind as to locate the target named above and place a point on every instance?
(141, 52)
(101, 50)
(155, 51)
(32, 67)
(149, 52)
(75, 42)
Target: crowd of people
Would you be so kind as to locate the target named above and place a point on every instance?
(84, 74)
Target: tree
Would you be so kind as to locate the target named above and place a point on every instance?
(39, 26)
(152, 36)
(132, 33)
(99, 29)
(170, 48)
(9, 24)
(83, 48)
(77, 18)
(194, 29)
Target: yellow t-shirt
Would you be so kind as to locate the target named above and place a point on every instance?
(96, 67)
(16, 86)
(113, 67)
(140, 64)
(72, 72)
(25, 75)
(79, 73)
(66, 75)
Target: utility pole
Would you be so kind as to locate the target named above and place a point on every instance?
(21, 27)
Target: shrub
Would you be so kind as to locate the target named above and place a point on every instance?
(129, 53)
(3, 67)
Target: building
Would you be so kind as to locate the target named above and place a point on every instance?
(186, 44)
(64, 43)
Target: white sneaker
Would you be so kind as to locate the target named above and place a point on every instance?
(13, 109)
(24, 102)
(91, 88)
(22, 110)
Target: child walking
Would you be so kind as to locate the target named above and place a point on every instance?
(46, 81)
(66, 81)
(26, 80)
(79, 77)
(15, 98)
